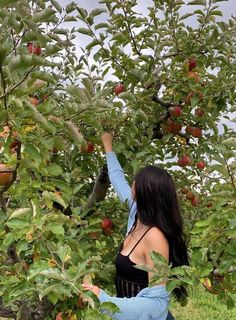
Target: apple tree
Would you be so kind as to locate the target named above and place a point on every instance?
(163, 83)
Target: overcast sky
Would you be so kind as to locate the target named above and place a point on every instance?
(228, 7)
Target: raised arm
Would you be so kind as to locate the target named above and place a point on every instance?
(115, 172)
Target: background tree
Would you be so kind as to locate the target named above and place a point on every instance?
(162, 87)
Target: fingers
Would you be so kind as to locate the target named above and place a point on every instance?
(90, 287)
(87, 286)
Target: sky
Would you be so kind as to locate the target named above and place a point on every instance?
(228, 9)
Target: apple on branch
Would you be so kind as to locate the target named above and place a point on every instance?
(87, 148)
(34, 49)
(200, 165)
(175, 111)
(184, 161)
(119, 89)
(199, 112)
(106, 226)
(192, 63)
(194, 76)
(5, 175)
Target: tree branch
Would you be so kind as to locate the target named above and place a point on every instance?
(164, 104)
(130, 32)
(18, 84)
(100, 188)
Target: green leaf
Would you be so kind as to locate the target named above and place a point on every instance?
(33, 152)
(18, 224)
(127, 96)
(54, 170)
(45, 76)
(70, 19)
(109, 306)
(185, 16)
(44, 15)
(70, 7)
(216, 13)
(5, 3)
(83, 13)
(230, 142)
(38, 117)
(172, 284)
(19, 212)
(197, 2)
(64, 252)
(56, 228)
(97, 12)
(85, 31)
(56, 5)
(52, 196)
(92, 44)
(53, 297)
(101, 25)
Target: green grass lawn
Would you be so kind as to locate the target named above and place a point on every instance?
(202, 306)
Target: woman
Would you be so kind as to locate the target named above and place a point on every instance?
(154, 224)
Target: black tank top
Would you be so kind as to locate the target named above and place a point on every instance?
(129, 280)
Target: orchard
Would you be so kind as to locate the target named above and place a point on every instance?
(165, 88)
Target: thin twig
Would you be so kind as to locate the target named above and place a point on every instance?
(130, 32)
(18, 84)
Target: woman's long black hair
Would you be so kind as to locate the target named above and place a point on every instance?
(157, 206)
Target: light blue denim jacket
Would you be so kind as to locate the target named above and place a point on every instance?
(150, 303)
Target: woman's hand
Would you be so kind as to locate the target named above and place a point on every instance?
(90, 287)
(107, 141)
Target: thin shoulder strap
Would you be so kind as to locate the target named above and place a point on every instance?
(139, 240)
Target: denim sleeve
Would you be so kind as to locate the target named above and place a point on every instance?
(121, 186)
(117, 178)
(137, 308)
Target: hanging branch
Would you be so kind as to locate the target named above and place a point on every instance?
(100, 188)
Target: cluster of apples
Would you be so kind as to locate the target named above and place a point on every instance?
(190, 196)
(185, 161)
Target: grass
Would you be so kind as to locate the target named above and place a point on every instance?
(202, 306)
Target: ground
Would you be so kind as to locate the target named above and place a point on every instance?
(202, 306)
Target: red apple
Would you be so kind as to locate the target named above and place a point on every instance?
(5, 132)
(199, 112)
(196, 132)
(194, 75)
(184, 161)
(192, 63)
(88, 148)
(209, 205)
(119, 88)
(201, 165)
(187, 100)
(188, 130)
(175, 111)
(184, 190)
(34, 101)
(190, 195)
(34, 49)
(5, 177)
(195, 202)
(106, 226)
(172, 126)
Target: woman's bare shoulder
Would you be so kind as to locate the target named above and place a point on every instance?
(155, 235)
